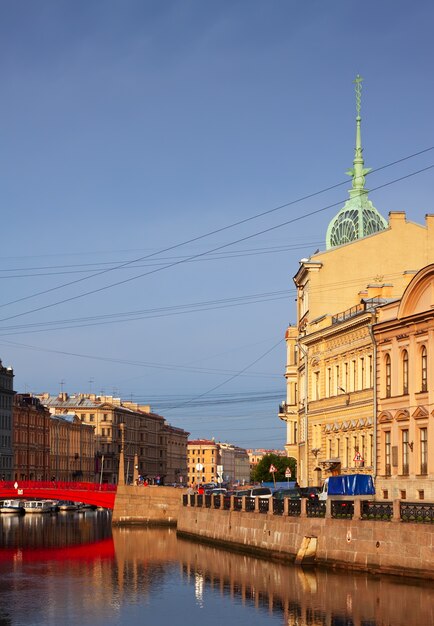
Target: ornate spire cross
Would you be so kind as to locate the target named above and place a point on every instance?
(358, 83)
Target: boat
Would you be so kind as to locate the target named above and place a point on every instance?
(13, 507)
(67, 505)
(38, 506)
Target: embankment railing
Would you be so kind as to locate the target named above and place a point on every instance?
(398, 510)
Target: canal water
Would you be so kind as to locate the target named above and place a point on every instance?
(74, 569)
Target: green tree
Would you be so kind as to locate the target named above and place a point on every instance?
(261, 473)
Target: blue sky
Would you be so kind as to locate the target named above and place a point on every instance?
(131, 127)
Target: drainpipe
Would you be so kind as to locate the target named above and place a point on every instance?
(306, 429)
(374, 390)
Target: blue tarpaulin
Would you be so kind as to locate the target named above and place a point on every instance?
(351, 485)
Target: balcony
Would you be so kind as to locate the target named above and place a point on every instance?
(286, 410)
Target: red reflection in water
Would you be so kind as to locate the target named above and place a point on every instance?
(84, 552)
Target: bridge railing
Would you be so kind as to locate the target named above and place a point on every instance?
(56, 484)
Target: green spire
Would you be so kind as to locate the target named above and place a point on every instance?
(358, 172)
(358, 218)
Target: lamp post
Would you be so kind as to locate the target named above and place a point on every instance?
(136, 469)
(121, 477)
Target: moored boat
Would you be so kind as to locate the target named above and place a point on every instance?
(13, 507)
(67, 505)
(38, 506)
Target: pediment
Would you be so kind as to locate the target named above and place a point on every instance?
(402, 415)
(420, 413)
(385, 416)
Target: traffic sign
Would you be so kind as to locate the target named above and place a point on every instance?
(288, 472)
(358, 457)
(272, 469)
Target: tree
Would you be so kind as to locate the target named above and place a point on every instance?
(261, 472)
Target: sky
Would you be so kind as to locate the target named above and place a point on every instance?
(140, 141)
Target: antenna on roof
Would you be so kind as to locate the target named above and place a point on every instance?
(62, 382)
(90, 381)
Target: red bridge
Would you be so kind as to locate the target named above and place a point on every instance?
(89, 493)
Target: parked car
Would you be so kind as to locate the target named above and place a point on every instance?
(292, 494)
(218, 491)
(309, 492)
(261, 492)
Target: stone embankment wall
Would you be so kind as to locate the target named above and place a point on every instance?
(375, 546)
(151, 505)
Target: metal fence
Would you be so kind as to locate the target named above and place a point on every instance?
(415, 512)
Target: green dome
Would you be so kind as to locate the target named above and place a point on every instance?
(358, 218)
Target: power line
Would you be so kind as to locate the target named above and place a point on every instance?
(194, 239)
(160, 312)
(117, 360)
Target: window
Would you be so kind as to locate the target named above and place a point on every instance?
(354, 375)
(91, 417)
(337, 379)
(370, 371)
(316, 385)
(329, 381)
(387, 449)
(405, 372)
(404, 450)
(423, 445)
(388, 372)
(424, 381)
(362, 373)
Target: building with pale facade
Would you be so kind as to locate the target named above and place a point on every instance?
(404, 336)
(215, 462)
(331, 366)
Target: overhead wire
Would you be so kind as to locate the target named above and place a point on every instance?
(216, 231)
(201, 254)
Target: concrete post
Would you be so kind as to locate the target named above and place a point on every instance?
(396, 511)
(328, 508)
(285, 506)
(232, 504)
(256, 504)
(357, 509)
(303, 507)
(243, 505)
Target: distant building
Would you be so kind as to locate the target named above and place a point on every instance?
(6, 441)
(72, 449)
(257, 455)
(146, 435)
(175, 440)
(31, 438)
(210, 461)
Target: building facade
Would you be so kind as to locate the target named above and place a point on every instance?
(203, 461)
(216, 462)
(72, 449)
(31, 438)
(331, 366)
(176, 440)
(6, 438)
(144, 437)
(405, 366)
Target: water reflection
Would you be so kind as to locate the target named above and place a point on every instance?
(77, 570)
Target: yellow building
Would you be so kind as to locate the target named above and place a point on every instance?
(330, 372)
(405, 366)
(203, 461)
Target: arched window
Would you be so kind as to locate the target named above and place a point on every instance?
(424, 369)
(388, 377)
(405, 372)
